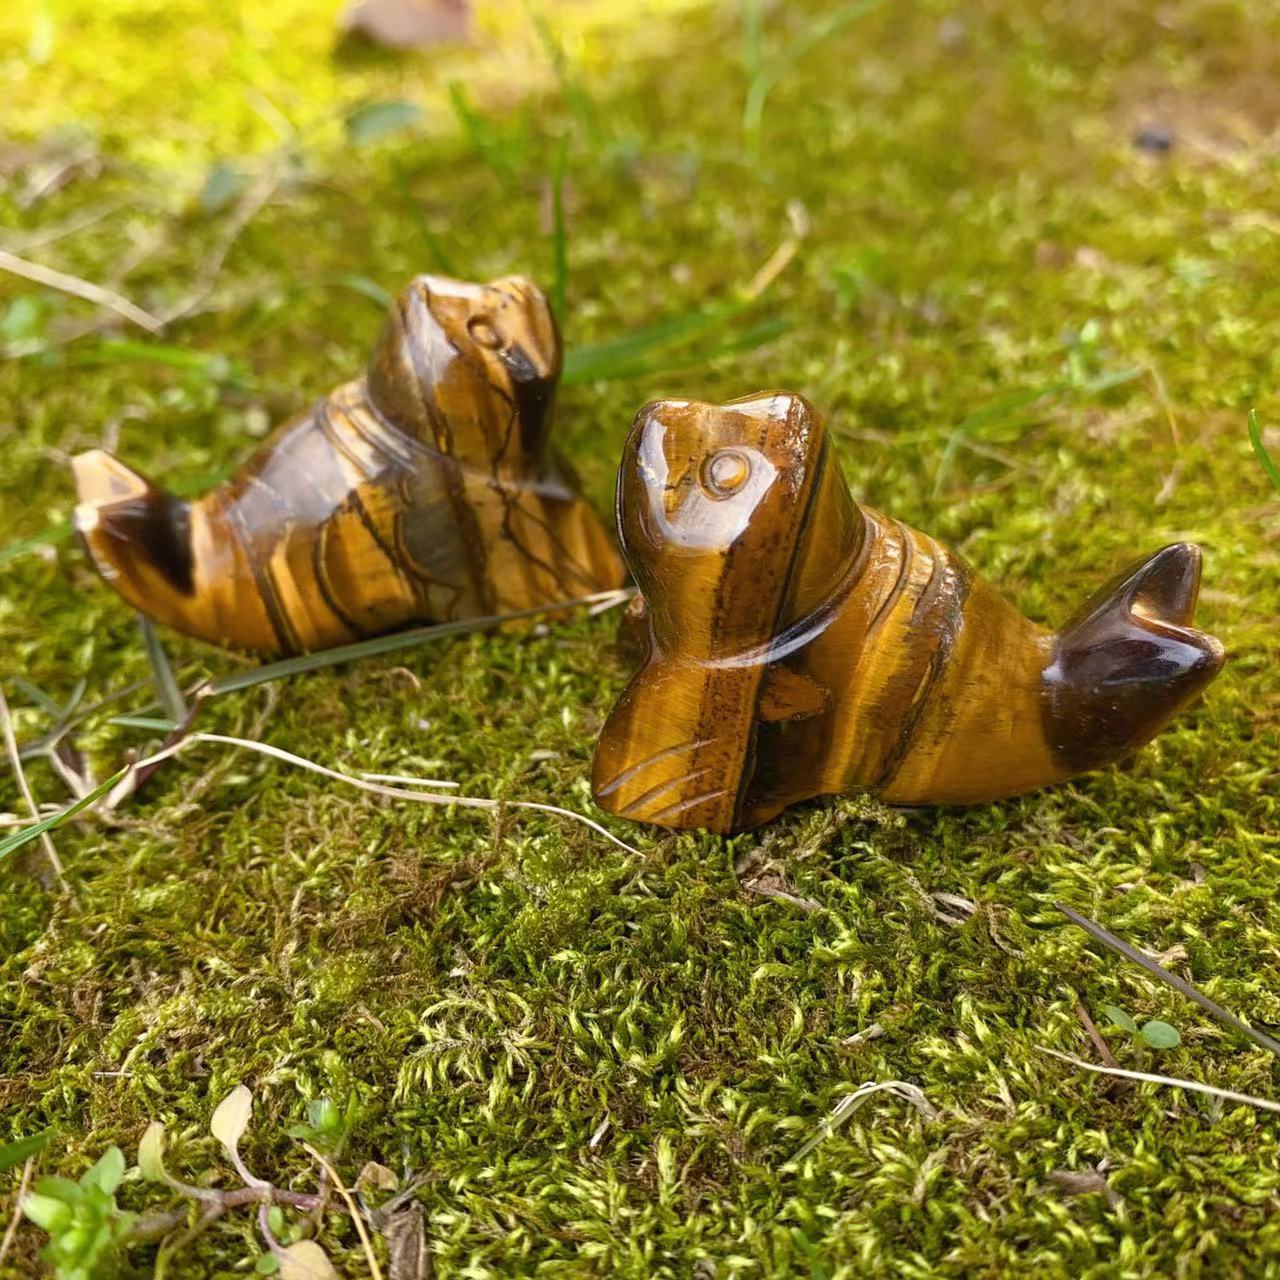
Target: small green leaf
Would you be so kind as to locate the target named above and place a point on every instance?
(63, 1189)
(16, 1153)
(106, 1174)
(1268, 462)
(1120, 1018)
(1160, 1035)
(151, 1153)
(224, 183)
(323, 1115)
(267, 1264)
(47, 1212)
(376, 120)
(276, 1220)
(25, 319)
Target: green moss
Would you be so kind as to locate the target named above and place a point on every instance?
(491, 991)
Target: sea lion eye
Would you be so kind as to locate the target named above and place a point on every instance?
(725, 472)
(482, 332)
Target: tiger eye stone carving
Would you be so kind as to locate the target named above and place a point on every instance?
(801, 645)
(425, 490)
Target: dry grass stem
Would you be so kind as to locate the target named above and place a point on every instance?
(851, 1102)
(79, 288)
(1174, 1082)
(12, 1229)
(356, 1216)
(11, 747)
(377, 789)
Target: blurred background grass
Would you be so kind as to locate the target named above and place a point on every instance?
(1025, 257)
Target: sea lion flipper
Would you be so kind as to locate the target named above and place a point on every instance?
(1129, 659)
(786, 695)
(133, 530)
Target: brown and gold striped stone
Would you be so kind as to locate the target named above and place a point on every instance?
(799, 645)
(423, 491)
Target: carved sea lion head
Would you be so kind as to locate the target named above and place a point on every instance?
(470, 369)
(734, 519)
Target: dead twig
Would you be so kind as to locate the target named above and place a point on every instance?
(1103, 1048)
(12, 1229)
(851, 1102)
(1157, 970)
(356, 1216)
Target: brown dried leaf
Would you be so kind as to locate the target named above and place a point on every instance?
(408, 24)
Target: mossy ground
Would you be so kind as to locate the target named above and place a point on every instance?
(981, 224)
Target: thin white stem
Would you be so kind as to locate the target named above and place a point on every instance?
(377, 789)
(851, 1102)
(1175, 1082)
(15, 759)
(79, 288)
(409, 781)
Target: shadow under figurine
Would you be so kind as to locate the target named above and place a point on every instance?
(800, 645)
(423, 491)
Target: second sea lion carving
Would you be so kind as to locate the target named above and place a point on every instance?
(423, 491)
(801, 645)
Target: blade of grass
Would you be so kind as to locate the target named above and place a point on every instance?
(559, 236)
(575, 96)
(1000, 409)
(34, 832)
(15, 1153)
(771, 72)
(428, 237)
(54, 534)
(756, 336)
(597, 361)
(15, 761)
(132, 351)
(1213, 1009)
(37, 695)
(752, 37)
(166, 683)
(398, 640)
(1268, 462)
(479, 132)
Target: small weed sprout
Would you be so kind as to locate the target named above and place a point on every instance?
(87, 1229)
(1154, 1034)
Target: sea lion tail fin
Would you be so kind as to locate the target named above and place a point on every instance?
(1130, 659)
(137, 535)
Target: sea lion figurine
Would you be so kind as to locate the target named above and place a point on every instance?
(422, 491)
(801, 645)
